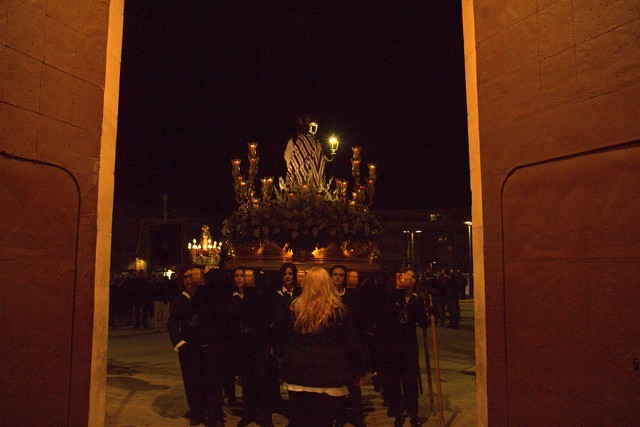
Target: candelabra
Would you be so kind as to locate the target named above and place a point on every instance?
(207, 252)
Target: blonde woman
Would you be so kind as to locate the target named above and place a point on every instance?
(322, 354)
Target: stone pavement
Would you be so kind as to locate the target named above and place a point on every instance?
(144, 385)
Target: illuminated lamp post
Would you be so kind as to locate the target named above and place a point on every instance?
(411, 254)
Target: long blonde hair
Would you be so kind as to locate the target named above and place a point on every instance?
(318, 303)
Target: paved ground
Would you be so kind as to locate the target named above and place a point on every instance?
(144, 386)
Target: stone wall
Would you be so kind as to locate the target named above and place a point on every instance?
(59, 73)
(553, 92)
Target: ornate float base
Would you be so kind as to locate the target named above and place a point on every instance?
(270, 257)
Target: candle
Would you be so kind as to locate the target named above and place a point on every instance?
(253, 149)
(355, 169)
(372, 170)
(370, 182)
(356, 152)
(235, 167)
(370, 189)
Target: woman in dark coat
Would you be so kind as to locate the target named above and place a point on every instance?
(321, 353)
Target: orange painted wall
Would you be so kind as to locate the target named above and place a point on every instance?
(554, 121)
(57, 145)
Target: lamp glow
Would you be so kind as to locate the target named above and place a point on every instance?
(333, 144)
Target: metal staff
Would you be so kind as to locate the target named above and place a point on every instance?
(437, 363)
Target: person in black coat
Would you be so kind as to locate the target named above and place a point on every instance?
(285, 291)
(404, 309)
(196, 329)
(321, 353)
(352, 300)
(251, 320)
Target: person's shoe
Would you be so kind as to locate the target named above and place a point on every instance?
(417, 421)
(359, 422)
(244, 422)
(392, 414)
(399, 422)
(210, 422)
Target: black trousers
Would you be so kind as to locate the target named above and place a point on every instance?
(401, 384)
(202, 376)
(352, 406)
(257, 371)
(453, 302)
(313, 409)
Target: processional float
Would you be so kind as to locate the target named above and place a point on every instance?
(303, 217)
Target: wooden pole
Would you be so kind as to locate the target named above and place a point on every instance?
(428, 365)
(437, 363)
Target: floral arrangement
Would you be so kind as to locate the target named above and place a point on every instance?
(301, 220)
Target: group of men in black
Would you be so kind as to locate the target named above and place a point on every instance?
(228, 330)
(446, 287)
(135, 298)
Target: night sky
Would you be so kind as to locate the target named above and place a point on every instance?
(201, 79)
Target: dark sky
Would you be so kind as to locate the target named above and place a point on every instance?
(201, 79)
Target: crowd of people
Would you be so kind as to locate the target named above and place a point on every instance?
(135, 298)
(312, 342)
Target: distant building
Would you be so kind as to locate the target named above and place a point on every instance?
(425, 239)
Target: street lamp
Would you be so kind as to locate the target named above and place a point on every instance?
(411, 255)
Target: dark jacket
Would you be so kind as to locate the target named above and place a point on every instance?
(401, 319)
(332, 358)
(198, 320)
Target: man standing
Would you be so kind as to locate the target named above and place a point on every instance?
(195, 332)
(160, 300)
